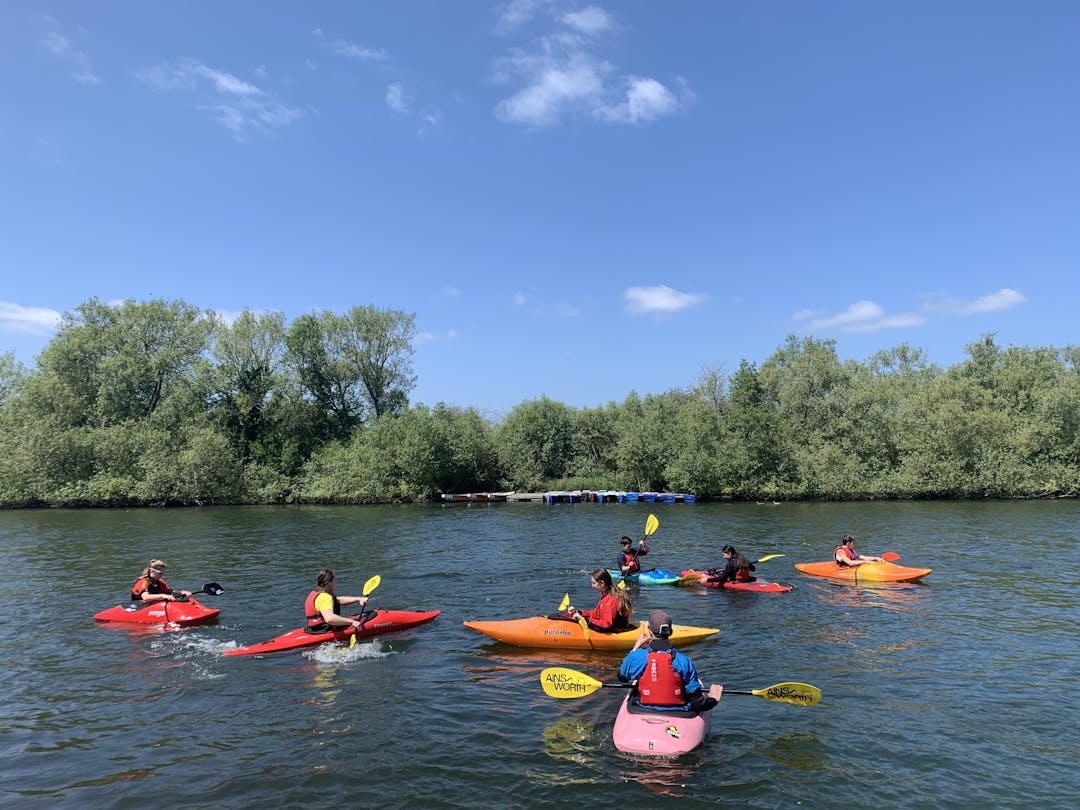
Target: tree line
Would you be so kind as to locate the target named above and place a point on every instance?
(160, 403)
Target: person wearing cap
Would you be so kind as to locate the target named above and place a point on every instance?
(627, 561)
(150, 587)
(664, 679)
(322, 607)
(612, 612)
(736, 568)
(847, 557)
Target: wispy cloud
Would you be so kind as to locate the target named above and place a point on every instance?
(396, 99)
(60, 47)
(513, 14)
(1003, 299)
(869, 316)
(862, 316)
(15, 318)
(561, 75)
(361, 53)
(237, 105)
(519, 299)
(644, 300)
(431, 337)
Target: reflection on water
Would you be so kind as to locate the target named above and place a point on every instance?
(897, 596)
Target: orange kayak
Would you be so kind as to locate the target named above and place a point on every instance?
(540, 631)
(870, 572)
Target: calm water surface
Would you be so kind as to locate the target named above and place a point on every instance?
(960, 692)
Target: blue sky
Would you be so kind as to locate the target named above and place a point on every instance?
(576, 200)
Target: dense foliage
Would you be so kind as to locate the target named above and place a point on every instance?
(161, 403)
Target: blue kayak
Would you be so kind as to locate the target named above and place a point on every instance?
(651, 576)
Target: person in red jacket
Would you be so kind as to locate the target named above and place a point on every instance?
(150, 587)
(847, 557)
(612, 612)
(322, 608)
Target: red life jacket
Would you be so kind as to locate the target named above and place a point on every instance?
(315, 617)
(630, 559)
(660, 684)
(743, 575)
(841, 552)
(146, 585)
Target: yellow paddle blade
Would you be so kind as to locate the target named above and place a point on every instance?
(800, 694)
(352, 641)
(560, 682)
(565, 603)
(584, 626)
(768, 557)
(372, 584)
(622, 584)
(651, 525)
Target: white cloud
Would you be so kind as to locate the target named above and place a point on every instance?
(591, 20)
(641, 300)
(514, 14)
(560, 76)
(1003, 299)
(60, 47)
(451, 292)
(431, 337)
(238, 105)
(519, 299)
(359, 52)
(396, 99)
(28, 320)
(863, 316)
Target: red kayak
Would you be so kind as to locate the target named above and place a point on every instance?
(756, 586)
(383, 621)
(182, 612)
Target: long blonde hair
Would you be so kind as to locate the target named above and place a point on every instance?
(159, 564)
(626, 607)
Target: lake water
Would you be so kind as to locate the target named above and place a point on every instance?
(960, 692)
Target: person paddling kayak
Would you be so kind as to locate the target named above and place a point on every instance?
(736, 568)
(612, 612)
(150, 587)
(847, 557)
(664, 679)
(323, 607)
(627, 562)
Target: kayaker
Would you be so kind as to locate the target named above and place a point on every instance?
(664, 679)
(736, 568)
(847, 557)
(323, 607)
(150, 587)
(612, 612)
(627, 561)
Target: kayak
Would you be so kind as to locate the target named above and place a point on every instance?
(870, 572)
(652, 576)
(182, 612)
(383, 621)
(755, 586)
(645, 731)
(541, 631)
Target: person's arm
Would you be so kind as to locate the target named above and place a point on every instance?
(601, 617)
(643, 548)
(331, 618)
(353, 600)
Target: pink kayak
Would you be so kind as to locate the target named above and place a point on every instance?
(655, 733)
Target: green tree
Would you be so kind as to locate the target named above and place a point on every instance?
(535, 443)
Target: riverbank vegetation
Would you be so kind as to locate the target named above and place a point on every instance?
(156, 403)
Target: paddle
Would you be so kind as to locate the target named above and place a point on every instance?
(369, 586)
(560, 682)
(564, 604)
(210, 588)
(651, 525)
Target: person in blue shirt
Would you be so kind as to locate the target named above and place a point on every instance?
(664, 679)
